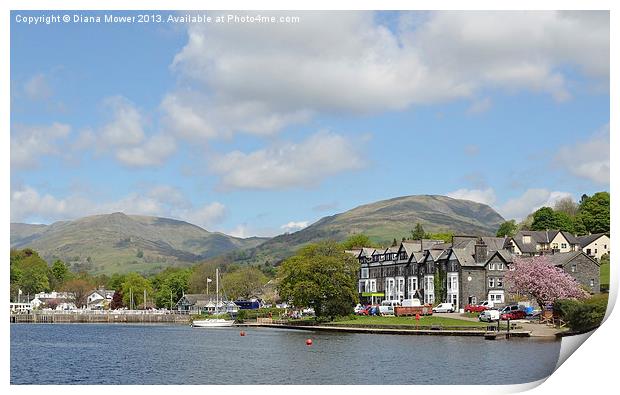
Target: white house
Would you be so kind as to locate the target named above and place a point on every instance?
(595, 245)
(99, 299)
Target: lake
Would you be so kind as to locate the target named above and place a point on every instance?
(158, 354)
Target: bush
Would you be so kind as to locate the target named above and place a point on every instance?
(583, 315)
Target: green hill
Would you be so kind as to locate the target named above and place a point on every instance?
(383, 221)
(122, 243)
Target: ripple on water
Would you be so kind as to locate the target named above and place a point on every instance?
(142, 354)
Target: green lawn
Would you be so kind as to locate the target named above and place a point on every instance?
(410, 321)
(605, 274)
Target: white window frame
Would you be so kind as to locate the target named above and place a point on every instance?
(499, 282)
(496, 296)
(373, 285)
(491, 266)
(429, 289)
(364, 272)
(400, 288)
(491, 282)
(389, 288)
(500, 266)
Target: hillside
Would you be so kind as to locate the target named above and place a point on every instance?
(383, 221)
(121, 243)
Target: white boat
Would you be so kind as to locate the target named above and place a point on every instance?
(214, 322)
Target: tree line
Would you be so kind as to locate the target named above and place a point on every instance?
(590, 215)
(31, 274)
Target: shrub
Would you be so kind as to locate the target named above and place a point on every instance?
(584, 315)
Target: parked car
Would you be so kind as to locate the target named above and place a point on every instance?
(512, 312)
(477, 308)
(358, 308)
(387, 307)
(489, 315)
(411, 302)
(444, 308)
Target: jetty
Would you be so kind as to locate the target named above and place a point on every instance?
(100, 316)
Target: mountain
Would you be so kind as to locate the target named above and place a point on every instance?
(121, 243)
(383, 221)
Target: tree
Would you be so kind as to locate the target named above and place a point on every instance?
(29, 272)
(60, 273)
(539, 279)
(243, 283)
(544, 219)
(594, 212)
(80, 288)
(563, 221)
(507, 228)
(356, 241)
(133, 288)
(170, 285)
(321, 276)
(567, 206)
(418, 232)
(117, 300)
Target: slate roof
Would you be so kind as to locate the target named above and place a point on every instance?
(586, 240)
(539, 237)
(563, 258)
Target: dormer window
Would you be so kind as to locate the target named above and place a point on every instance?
(527, 239)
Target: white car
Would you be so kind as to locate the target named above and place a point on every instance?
(357, 308)
(489, 315)
(387, 307)
(444, 308)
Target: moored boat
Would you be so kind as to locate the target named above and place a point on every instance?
(214, 322)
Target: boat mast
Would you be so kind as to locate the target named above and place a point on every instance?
(217, 290)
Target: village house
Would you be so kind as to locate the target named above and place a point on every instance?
(99, 299)
(466, 271)
(536, 242)
(54, 300)
(595, 245)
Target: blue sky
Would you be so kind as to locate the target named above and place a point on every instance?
(256, 129)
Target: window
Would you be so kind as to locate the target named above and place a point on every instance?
(595, 251)
(362, 286)
(491, 266)
(500, 266)
(573, 268)
(491, 282)
(563, 245)
(413, 286)
(496, 296)
(500, 282)
(453, 283)
(591, 283)
(605, 246)
(554, 246)
(364, 273)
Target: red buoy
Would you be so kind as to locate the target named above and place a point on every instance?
(242, 333)
(308, 342)
(417, 316)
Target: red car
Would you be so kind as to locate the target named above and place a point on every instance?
(474, 308)
(513, 315)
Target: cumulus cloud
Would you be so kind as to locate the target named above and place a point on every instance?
(531, 200)
(289, 164)
(30, 205)
(486, 196)
(588, 159)
(124, 137)
(294, 226)
(30, 143)
(38, 88)
(261, 78)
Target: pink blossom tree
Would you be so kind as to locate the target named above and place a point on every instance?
(541, 280)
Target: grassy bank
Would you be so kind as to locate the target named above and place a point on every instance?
(425, 321)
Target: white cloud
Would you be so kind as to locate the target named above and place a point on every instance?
(38, 88)
(126, 127)
(125, 138)
(294, 226)
(153, 152)
(29, 205)
(30, 143)
(531, 200)
(588, 159)
(485, 196)
(289, 164)
(261, 78)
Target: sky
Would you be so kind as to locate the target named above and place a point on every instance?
(255, 129)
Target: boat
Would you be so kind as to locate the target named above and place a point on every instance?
(214, 322)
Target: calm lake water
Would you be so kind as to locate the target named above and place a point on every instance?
(152, 354)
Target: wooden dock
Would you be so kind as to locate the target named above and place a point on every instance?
(99, 317)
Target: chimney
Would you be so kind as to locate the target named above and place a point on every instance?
(480, 251)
